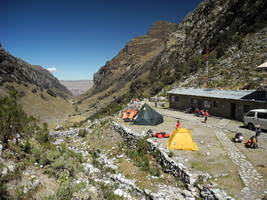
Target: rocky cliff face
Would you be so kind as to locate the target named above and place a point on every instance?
(17, 70)
(232, 31)
(131, 60)
(213, 19)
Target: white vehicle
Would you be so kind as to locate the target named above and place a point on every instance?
(256, 117)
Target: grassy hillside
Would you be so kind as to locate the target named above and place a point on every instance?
(40, 103)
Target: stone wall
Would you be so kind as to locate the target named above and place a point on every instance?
(168, 164)
(178, 170)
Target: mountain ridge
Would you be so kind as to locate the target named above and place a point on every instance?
(15, 69)
(41, 94)
(230, 35)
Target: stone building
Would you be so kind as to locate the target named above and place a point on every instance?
(231, 104)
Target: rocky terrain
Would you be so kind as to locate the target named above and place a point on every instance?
(98, 161)
(219, 44)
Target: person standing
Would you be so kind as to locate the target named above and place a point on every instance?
(257, 131)
(206, 114)
(178, 124)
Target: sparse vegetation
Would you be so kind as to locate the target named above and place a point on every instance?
(13, 119)
(51, 93)
(139, 87)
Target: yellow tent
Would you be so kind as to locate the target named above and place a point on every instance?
(182, 139)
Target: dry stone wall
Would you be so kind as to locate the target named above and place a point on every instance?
(168, 164)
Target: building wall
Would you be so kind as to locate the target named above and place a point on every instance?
(226, 108)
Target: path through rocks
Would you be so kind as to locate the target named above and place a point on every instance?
(255, 186)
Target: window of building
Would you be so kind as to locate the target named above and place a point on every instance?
(207, 103)
(246, 108)
(215, 104)
(193, 101)
(175, 98)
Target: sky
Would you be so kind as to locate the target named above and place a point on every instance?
(74, 38)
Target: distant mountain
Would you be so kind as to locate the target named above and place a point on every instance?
(77, 87)
(217, 45)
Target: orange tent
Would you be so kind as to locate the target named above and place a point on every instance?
(129, 114)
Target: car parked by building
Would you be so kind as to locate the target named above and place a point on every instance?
(256, 117)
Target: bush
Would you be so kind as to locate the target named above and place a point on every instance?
(170, 154)
(13, 119)
(139, 86)
(82, 133)
(42, 137)
(156, 88)
(51, 93)
(37, 153)
(27, 147)
(139, 155)
(34, 90)
(155, 171)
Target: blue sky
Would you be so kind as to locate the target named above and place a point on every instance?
(77, 37)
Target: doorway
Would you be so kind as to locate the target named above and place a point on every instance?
(232, 110)
(200, 104)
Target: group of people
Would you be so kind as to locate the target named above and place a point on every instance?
(252, 141)
(202, 113)
(205, 115)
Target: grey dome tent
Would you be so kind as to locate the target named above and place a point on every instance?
(148, 116)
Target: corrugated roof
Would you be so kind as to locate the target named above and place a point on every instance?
(222, 94)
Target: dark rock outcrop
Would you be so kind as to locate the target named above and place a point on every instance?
(14, 69)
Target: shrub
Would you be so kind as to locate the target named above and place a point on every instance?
(155, 171)
(58, 163)
(156, 88)
(34, 90)
(51, 93)
(13, 119)
(64, 147)
(42, 137)
(82, 133)
(143, 162)
(66, 191)
(37, 153)
(139, 155)
(27, 147)
(107, 191)
(171, 154)
(139, 86)
(142, 145)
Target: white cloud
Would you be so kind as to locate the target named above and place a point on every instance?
(52, 69)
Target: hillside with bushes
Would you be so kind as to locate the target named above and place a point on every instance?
(41, 94)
